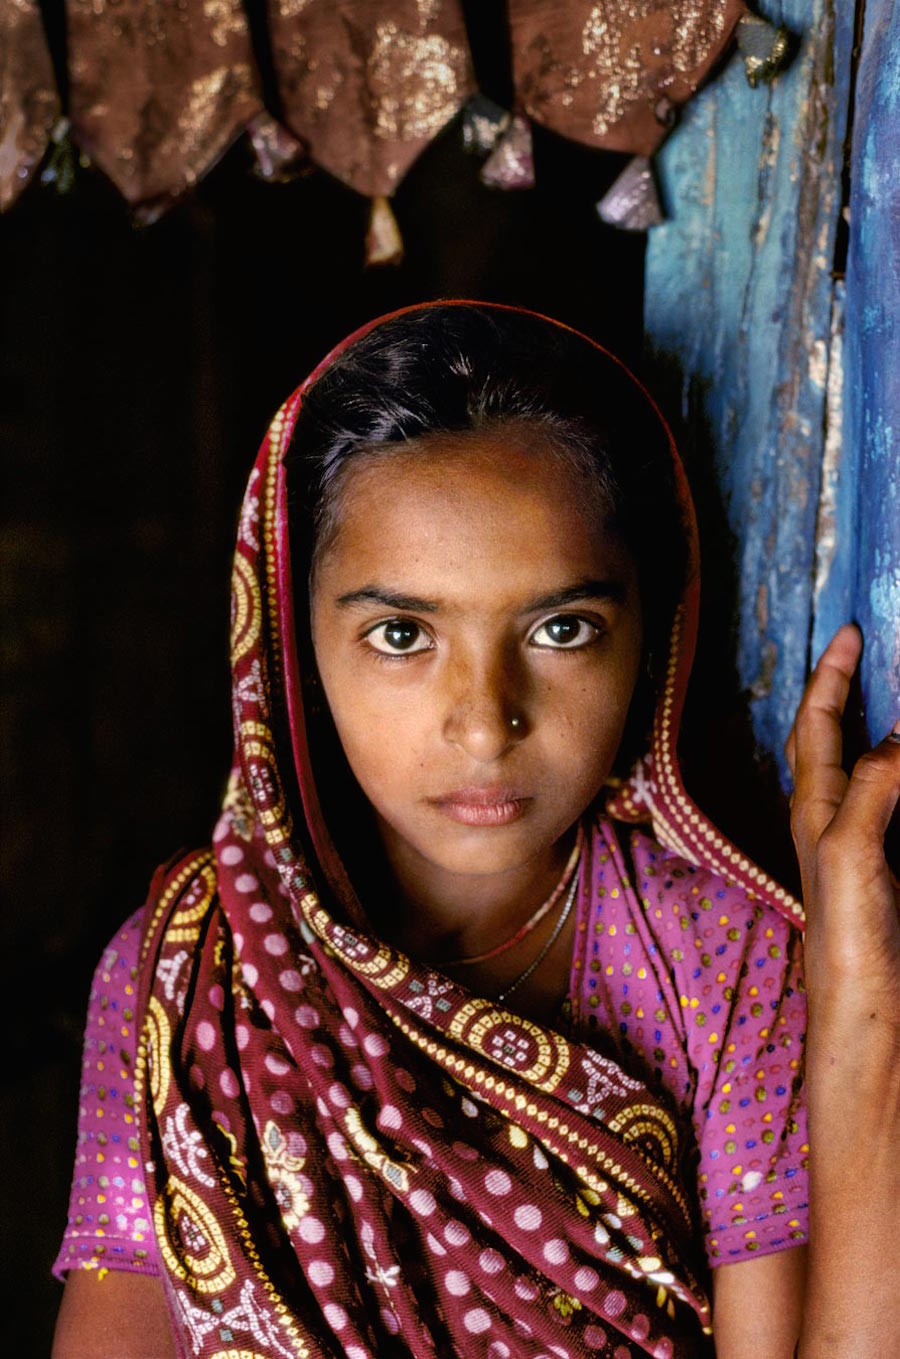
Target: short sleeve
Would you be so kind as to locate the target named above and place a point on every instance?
(701, 989)
(109, 1218)
(744, 1012)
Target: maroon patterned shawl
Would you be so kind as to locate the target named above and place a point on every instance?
(349, 1153)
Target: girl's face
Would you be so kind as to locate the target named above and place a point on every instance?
(478, 637)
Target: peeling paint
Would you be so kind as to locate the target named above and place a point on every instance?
(762, 685)
(752, 185)
(818, 363)
(872, 364)
(884, 597)
(762, 607)
(767, 163)
(826, 523)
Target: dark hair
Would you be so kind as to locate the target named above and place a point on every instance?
(466, 367)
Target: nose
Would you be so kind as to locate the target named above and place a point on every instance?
(485, 713)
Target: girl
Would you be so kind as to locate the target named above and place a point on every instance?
(470, 1035)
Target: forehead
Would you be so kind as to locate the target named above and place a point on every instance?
(495, 505)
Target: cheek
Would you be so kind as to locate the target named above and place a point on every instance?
(590, 716)
(384, 742)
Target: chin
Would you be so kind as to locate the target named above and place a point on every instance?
(477, 851)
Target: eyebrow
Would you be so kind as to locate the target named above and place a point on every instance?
(376, 594)
(611, 590)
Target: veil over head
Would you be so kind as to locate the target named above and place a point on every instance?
(350, 1153)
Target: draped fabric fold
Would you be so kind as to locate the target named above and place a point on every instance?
(612, 74)
(365, 1147)
(159, 91)
(29, 104)
(369, 83)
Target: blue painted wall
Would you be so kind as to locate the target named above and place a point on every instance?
(865, 568)
(743, 320)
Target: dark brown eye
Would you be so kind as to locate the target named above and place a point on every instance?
(565, 631)
(398, 636)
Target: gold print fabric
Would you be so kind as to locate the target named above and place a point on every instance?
(610, 73)
(415, 82)
(190, 1239)
(237, 1354)
(537, 1055)
(225, 19)
(651, 1128)
(246, 609)
(368, 84)
(159, 89)
(28, 102)
(159, 1038)
(283, 1171)
(372, 1153)
(185, 926)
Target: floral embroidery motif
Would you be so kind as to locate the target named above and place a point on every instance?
(167, 970)
(370, 1150)
(185, 1146)
(565, 1304)
(246, 1316)
(190, 1239)
(289, 1187)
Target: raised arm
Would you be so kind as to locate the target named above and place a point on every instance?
(852, 1300)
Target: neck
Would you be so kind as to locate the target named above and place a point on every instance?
(445, 914)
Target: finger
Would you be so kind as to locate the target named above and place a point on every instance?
(856, 896)
(819, 779)
(871, 798)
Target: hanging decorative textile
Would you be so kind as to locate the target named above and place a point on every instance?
(765, 47)
(368, 84)
(280, 157)
(511, 163)
(384, 243)
(484, 123)
(632, 202)
(610, 73)
(158, 91)
(29, 105)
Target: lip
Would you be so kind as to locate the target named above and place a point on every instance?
(483, 806)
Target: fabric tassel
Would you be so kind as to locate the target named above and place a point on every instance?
(766, 49)
(632, 203)
(280, 156)
(511, 164)
(484, 123)
(29, 105)
(59, 170)
(384, 243)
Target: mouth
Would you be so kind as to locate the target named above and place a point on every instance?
(483, 806)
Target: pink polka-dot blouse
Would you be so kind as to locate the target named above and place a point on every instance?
(692, 986)
(109, 1217)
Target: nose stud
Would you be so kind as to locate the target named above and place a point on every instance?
(515, 723)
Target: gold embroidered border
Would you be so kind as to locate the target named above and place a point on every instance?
(514, 1101)
(209, 1275)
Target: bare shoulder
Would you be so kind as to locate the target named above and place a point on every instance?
(115, 1314)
